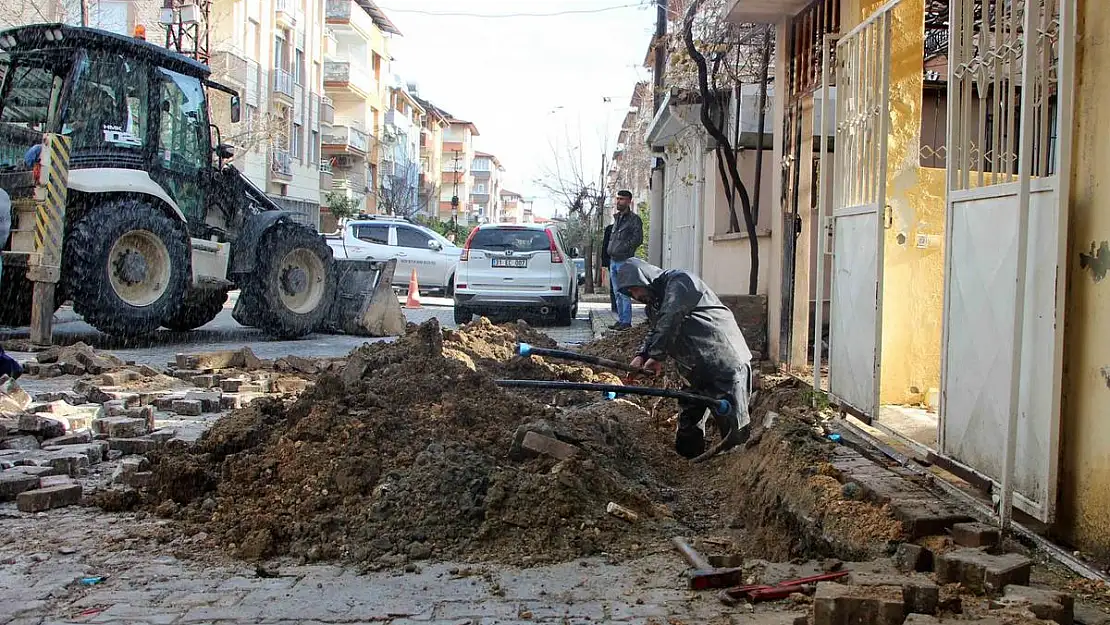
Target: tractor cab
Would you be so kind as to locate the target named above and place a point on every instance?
(125, 104)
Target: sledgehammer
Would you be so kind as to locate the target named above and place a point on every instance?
(704, 576)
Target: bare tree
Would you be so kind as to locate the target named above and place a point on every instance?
(565, 179)
(399, 193)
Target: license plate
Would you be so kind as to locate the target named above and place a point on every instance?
(516, 263)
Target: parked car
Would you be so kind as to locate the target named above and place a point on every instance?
(516, 268)
(580, 265)
(434, 258)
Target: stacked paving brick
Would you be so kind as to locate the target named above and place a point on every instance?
(49, 441)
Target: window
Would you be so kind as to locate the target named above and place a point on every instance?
(314, 148)
(299, 68)
(183, 118)
(480, 164)
(109, 107)
(515, 239)
(295, 143)
(372, 233)
(411, 237)
(480, 188)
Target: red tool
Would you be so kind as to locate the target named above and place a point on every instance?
(705, 576)
(755, 593)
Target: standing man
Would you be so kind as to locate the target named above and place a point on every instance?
(691, 325)
(627, 237)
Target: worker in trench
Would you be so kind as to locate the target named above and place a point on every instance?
(690, 325)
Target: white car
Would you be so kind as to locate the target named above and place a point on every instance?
(516, 268)
(434, 258)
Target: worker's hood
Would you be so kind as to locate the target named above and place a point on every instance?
(635, 272)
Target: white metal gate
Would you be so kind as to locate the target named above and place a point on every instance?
(1006, 243)
(858, 207)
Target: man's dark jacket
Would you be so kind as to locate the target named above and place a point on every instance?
(605, 245)
(688, 323)
(627, 237)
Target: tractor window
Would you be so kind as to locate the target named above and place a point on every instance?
(183, 133)
(32, 89)
(108, 108)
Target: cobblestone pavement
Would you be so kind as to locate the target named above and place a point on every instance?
(148, 579)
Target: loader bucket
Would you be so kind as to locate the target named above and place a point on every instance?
(365, 304)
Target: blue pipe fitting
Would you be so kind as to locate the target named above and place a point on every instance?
(723, 407)
(523, 349)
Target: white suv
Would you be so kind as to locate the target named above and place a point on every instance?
(415, 247)
(505, 268)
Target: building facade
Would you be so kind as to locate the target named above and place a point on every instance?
(431, 155)
(512, 207)
(485, 189)
(400, 166)
(458, 154)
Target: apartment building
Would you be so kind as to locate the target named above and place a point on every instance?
(485, 191)
(399, 191)
(356, 62)
(431, 155)
(272, 51)
(458, 154)
(512, 208)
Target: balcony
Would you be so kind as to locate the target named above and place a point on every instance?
(346, 14)
(281, 165)
(762, 11)
(348, 77)
(327, 111)
(331, 43)
(402, 123)
(327, 177)
(284, 14)
(231, 67)
(345, 139)
(283, 85)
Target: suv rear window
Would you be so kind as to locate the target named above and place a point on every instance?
(517, 240)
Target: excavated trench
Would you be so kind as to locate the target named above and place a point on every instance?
(414, 453)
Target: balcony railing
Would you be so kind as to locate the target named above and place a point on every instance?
(346, 72)
(281, 163)
(394, 118)
(325, 168)
(285, 13)
(327, 111)
(283, 82)
(348, 137)
(338, 10)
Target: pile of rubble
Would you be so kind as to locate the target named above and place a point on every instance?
(56, 442)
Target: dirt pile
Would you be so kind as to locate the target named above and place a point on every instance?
(416, 458)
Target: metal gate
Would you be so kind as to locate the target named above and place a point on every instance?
(1006, 243)
(858, 211)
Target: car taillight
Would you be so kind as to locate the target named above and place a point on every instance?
(464, 256)
(556, 255)
(460, 286)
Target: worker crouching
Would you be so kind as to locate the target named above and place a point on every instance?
(690, 325)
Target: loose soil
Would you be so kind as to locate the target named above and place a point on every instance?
(419, 457)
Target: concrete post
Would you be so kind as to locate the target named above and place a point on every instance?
(655, 208)
(45, 263)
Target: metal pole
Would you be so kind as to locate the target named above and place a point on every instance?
(760, 133)
(822, 215)
(1025, 165)
(660, 52)
(45, 264)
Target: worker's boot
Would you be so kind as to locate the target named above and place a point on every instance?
(732, 431)
(689, 438)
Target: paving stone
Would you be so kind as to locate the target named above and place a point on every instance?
(919, 593)
(230, 401)
(927, 517)
(981, 571)
(921, 619)
(34, 470)
(165, 402)
(129, 466)
(910, 557)
(24, 442)
(75, 438)
(547, 446)
(231, 385)
(148, 371)
(208, 380)
(841, 604)
(290, 385)
(976, 535)
(70, 397)
(68, 463)
(94, 450)
(41, 425)
(162, 435)
(210, 400)
(228, 359)
(188, 407)
(115, 408)
(50, 481)
(119, 378)
(13, 482)
(1046, 604)
(132, 446)
(46, 498)
(124, 427)
(882, 487)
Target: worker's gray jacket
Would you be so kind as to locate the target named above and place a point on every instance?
(689, 324)
(627, 237)
(5, 216)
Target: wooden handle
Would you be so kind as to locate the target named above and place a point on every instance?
(688, 552)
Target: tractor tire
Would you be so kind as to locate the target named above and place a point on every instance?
(198, 307)
(463, 315)
(291, 291)
(127, 267)
(15, 297)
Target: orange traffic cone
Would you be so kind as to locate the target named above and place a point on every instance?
(413, 301)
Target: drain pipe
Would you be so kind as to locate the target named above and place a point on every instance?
(655, 225)
(611, 391)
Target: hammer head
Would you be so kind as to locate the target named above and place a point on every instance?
(705, 579)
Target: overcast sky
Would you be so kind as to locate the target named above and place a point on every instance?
(527, 82)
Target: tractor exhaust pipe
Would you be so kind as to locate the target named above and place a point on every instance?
(545, 310)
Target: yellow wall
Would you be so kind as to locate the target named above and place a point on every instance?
(1085, 477)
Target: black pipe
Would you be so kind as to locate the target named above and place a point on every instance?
(719, 406)
(524, 349)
